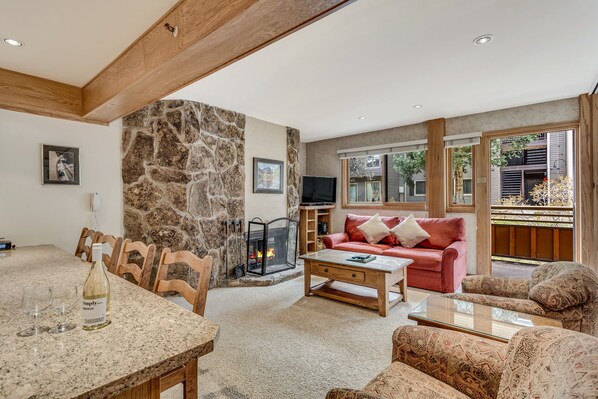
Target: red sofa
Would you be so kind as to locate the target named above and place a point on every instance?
(438, 262)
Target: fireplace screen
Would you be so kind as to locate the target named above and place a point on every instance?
(271, 247)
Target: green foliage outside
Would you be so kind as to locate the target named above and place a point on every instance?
(409, 164)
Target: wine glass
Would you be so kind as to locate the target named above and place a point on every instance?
(64, 298)
(35, 300)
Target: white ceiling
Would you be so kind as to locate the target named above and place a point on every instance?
(72, 40)
(377, 58)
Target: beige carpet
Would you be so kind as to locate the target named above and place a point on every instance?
(275, 343)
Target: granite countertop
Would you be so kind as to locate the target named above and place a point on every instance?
(148, 335)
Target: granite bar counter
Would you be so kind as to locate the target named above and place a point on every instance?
(148, 335)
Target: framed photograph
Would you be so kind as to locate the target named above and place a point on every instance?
(60, 165)
(268, 176)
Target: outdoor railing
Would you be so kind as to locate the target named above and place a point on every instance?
(540, 233)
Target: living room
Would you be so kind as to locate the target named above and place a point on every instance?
(241, 152)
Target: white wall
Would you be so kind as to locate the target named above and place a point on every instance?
(264, 140)
(32, 213)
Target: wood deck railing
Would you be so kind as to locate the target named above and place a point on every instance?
(543, 233)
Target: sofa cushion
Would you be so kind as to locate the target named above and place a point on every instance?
(409, 233)
(353, 221)
(423, 258)
(374, 229)
(362, 247)
(401, 381)
(443, 232)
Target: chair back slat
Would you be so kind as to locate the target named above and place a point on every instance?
(180, 286)
(196, 297)
(115, 243)
(132, 269)
(140, 274)
(82, 247)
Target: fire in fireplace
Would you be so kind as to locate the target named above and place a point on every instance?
(277, 239)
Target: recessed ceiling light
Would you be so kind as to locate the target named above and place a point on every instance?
(13, 42)
(483, 39)
(417, 106)
(361, 117)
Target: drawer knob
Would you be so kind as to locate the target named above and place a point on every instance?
(325, 270)
(354, 275)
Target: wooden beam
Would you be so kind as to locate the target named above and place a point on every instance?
(484, 240)
(587, 178)
(211, 35)
(26, 93)
(435, 169)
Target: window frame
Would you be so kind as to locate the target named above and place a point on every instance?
(345, 204)
(459, 208)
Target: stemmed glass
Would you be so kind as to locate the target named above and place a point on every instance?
(35, 300)
(63, 300)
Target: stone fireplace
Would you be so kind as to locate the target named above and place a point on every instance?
(183, 171)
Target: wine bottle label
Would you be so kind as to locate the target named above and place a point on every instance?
(94, 311)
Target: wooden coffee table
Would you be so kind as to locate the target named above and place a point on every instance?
(379, 284)
(481, 320)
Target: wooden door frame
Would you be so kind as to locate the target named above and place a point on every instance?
(482, 183)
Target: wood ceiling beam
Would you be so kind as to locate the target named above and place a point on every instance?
(211, 35)
(26, 93)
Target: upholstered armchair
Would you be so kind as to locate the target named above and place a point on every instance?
(565, 291)
(539, 362)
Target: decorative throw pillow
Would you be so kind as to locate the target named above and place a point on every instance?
(374, 229)
(409, 233)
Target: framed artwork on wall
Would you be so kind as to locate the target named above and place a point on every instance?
(268, 176)
(60, 165)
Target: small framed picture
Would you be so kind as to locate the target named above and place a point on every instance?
(60, 165)
(268, 176)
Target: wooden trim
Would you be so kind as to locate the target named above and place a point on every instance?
(436, 169)
(407, 206)
(26, 93)
(462, 208)
(482, 201)
(548, 127)
(587, 152)
(212, 34)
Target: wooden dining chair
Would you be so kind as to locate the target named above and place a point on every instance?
(115, 243)
(186, 374)
(142, 274)
(82, 247)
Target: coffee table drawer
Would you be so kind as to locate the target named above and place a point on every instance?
(336, 273)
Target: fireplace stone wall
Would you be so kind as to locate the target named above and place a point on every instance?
(183, 172)
(293, 173)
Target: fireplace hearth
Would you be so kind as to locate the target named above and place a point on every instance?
(272, 246)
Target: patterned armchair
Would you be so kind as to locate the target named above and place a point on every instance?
(565, 291)
(539, 362)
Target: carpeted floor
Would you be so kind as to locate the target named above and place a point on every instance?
(276, 343)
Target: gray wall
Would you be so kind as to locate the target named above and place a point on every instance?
(322, 159)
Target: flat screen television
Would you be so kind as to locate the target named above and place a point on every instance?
(318, 189)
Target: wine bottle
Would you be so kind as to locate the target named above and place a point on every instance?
(96, 293)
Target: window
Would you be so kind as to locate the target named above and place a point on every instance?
(460, 162)
(373, 191)
(365, 180)
(419, 188)
(353, 192)
(386, 179)
(372, 161)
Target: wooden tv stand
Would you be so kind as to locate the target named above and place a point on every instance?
(309, 217)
